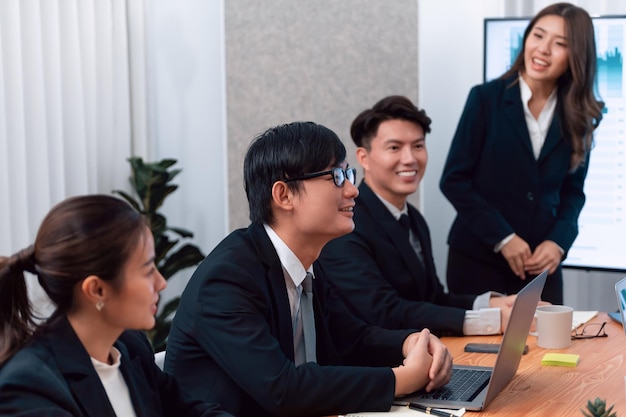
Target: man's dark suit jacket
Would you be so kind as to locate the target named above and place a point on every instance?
(497, 187)
(232, 340)
(53, 377)
(376, 272)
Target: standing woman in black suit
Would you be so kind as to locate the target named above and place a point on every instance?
(518, 160)
(94, 257)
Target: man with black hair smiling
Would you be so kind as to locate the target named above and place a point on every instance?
(384, 270)
(243, 336)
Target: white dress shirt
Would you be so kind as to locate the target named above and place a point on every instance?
(537, 128)
(294, 274)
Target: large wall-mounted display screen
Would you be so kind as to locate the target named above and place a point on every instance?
(601, 243)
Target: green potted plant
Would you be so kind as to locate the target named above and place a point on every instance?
(598, 409)
(151, 183)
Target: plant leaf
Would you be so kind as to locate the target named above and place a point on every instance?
(161, 248)
(130, 200)
(173, 173)
(158, 224)
(151, 181)
(181, 232)
(166, 163)
(169, 308)
(158, 195)
(187, 256)
(160, 334)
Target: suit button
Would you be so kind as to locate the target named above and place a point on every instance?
(530, 196)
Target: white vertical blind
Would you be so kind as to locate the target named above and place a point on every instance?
(65, 106)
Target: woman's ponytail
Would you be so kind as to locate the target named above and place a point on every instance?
(16, 315)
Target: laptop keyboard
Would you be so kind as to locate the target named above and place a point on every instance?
(464, 385)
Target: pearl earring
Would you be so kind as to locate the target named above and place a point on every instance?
(99, 305)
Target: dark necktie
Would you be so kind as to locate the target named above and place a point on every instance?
(405, 222)
(308, 319)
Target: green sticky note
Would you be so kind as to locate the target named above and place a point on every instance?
(560, 359)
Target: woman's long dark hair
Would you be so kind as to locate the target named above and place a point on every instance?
(79, 237)
(579, 110)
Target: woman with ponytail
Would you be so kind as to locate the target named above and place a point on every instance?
(94, 257)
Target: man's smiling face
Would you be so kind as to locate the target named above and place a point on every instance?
(396, 160)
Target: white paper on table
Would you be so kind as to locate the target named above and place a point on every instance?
(581, 317)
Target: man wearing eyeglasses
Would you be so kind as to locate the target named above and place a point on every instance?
(384, 270)
(258, 329)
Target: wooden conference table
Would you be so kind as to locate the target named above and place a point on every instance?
(538, 390)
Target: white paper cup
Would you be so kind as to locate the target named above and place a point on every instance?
(554, 326)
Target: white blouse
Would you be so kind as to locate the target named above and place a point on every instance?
(537, 128)
(115, 385)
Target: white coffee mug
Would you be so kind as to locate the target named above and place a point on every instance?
(554, 326)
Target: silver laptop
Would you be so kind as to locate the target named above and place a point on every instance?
(620, 292)
(473, 387)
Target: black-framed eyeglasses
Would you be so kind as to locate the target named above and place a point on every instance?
(591, 330)
(340, 175)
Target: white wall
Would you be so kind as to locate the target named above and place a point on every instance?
(450, 63)
(450, 54)
(187, 121)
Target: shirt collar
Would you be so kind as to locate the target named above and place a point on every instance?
(115, 358)
(392, 208)
(527, 93)
(290, 262)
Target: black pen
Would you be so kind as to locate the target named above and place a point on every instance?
(425, 409)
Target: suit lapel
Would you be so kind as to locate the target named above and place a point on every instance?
(140, 392)
(75, 364)
(514, 111)
(276, 287)
(390, 227)
(552, 138)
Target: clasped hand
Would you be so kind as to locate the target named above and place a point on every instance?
(521, 260)
(427, 363)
